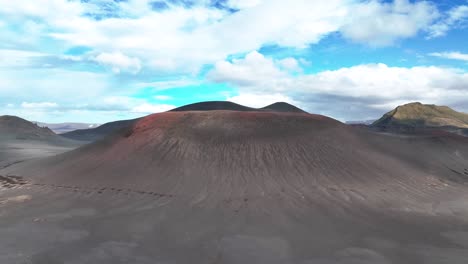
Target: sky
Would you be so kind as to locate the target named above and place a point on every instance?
(97, 61)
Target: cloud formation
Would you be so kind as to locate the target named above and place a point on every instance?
(453, 55)
(258, 100)
(375, 86)
(115, 57)
(381, 24)
(40, 105)
(119, 62)
(456, 17)
(134, 35)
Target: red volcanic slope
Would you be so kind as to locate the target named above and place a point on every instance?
(211, 156)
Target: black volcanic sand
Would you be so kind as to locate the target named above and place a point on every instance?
(241, 187)
(14, 150)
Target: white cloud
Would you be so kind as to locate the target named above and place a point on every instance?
(46, 9)
(241, 4)
(305, 63)
(380, 83)
(254, 69)
(455, 17)
(39, 105)
(458, 13)
(290, 64)
(181, 40)
(103, 109)
(454, 55)
(381, 24)
(131, 104)
(170, 40)
(10, 58)
(163, 85)
(60, 116)
(13, 59)
(260, 100)
(52, 84)
(147, 108)
(162, 97)
(119, 62)
(184, 39)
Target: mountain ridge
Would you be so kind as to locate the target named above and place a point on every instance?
(419, 116)
(19, 128)
(103, 130)
(60, 128)
(22, 140)
(93, 134)
(231, 106)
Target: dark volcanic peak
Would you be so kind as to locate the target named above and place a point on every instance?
(417, 115)
(275, 158)
(213, 105)
(195, 148)
(230, 106)
(283, 107)
(13, 126)
(100, 132)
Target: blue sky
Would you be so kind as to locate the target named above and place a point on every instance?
(102, 60)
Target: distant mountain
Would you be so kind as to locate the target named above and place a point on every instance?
(13, 127)
(360, 122)
(61, 128)
(415, 116)
(18, 129)
(93, 134)
(22, 140)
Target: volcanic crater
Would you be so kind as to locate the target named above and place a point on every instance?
(224, 186)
